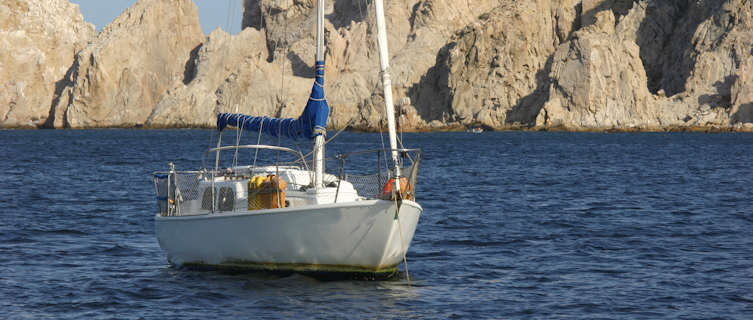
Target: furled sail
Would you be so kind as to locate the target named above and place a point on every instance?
(310, 124)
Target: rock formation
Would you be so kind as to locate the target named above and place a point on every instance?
(230, 74)
(501, 64)
(741, 93)
(39, 40)
(268, 68)
(597, 81)
(692, 55)
(492, 72)
(118, 78)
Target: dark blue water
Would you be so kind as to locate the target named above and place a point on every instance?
(516, 225)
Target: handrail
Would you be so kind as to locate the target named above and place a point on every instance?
(251, 146)
(175, 187)
(176, 171)
(403, 152)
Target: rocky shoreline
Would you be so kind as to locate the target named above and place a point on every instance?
(559, 65)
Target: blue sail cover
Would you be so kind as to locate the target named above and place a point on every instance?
(310, 124)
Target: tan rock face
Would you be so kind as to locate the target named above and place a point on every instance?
(598, 81)
(274, 72)
(119, 78)
(39, 40)
(741, 93)
(231, 75)
(693, 57)
(721, 59)
(590, 8)
(588, 64)
(492, 72)
(417, 32)
(577, 64)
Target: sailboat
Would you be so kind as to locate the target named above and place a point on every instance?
(294, 216)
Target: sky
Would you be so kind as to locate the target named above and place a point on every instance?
(212, 13)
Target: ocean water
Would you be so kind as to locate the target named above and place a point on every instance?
(515, 225)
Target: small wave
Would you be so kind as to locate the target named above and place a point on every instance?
(430, 254)
(69, 232)
(148, 293)
(476, 243)
(120, 250)
(18, 240)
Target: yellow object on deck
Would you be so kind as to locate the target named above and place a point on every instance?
(263, 192)
(254, 197)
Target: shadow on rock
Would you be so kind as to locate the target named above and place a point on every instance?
(528, 107)
(665, 38)
(723, 96)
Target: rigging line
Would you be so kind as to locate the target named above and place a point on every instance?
(400, 141)
(341, 130)
(256, 153)
(328, 140)
(238, 140)
(211, 141)
(277, 166)
(381, 123)
(400, 125)
(213, 132)
(381, 135)
(306, 155)
(227, 16)
(234, 16)
(400, 230)
(274, 49)
(303, 158)
(227, 13)
(360, 11)
(282, 60)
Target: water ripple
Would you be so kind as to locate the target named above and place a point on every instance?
(516, 225)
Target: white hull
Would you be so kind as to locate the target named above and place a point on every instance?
(358, 236)
(319, 222)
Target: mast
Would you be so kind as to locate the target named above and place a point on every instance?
(384, 64)
(319, 140)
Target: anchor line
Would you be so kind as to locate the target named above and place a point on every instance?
(402, 243)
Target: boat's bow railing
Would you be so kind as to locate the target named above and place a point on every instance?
(370, 174)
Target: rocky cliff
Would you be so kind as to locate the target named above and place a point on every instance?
(668, 64)
(39, 39)
(501, 64)
(118, 78)
(493, 72)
